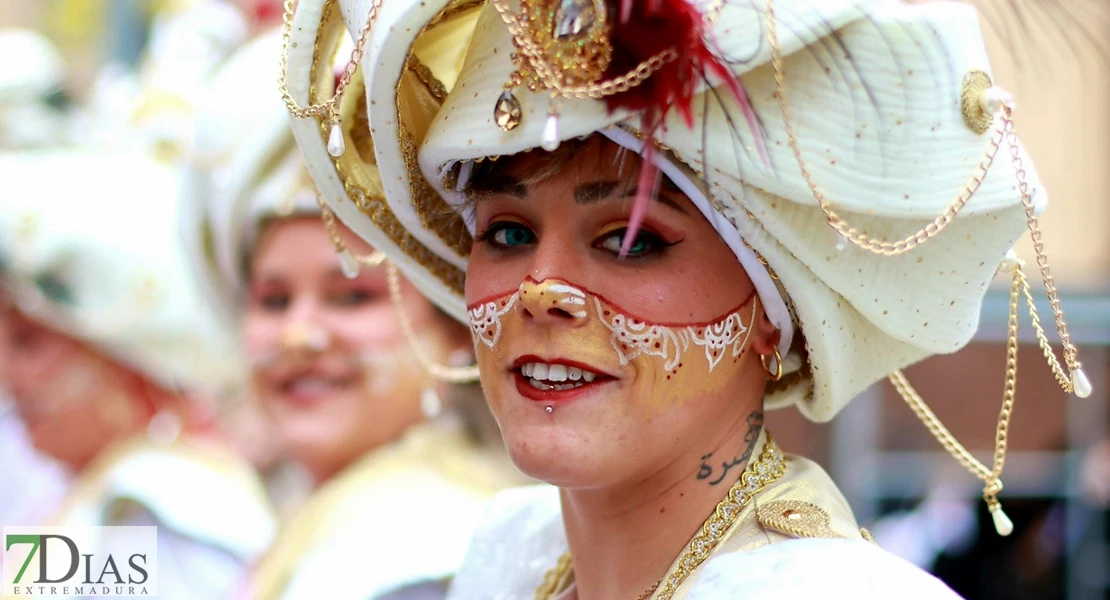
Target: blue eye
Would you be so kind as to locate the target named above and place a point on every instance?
(508, 234)
(645, 243)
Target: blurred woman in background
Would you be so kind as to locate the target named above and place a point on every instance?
(33, 114)
(348, 392)
(112, 367)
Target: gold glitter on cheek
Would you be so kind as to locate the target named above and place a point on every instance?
(494, 384)
(657, 389)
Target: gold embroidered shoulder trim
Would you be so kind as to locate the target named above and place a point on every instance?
(770, 466)
(796, 519)
(866, 535)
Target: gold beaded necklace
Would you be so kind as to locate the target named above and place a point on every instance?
(768, 468)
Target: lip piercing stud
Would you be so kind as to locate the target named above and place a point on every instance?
(550, 409)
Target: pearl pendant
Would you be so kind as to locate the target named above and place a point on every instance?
(349, 264)
(1002, 524)
(1080, 383)
(336, 145)
(430, 403)
(994, 99)
(550, 139)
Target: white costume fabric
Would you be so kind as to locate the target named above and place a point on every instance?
(30, 83)
(367, 532)
(213, 517)
(523, 536)
(806, 569)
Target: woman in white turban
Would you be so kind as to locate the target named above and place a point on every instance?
(672, 216)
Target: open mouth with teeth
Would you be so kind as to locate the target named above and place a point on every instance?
(556, 377)
(309, 387)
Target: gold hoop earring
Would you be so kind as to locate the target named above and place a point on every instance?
(777, 373)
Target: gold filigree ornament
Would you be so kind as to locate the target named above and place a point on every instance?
(563, 47)
(561, 44)
(978, 100)
(797, 519)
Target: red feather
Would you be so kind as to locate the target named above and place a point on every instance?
(645, 29)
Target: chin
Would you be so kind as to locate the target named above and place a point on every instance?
(559, 454)
(304, 436)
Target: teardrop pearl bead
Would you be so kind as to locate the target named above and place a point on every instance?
(336, 145)
(550, 139)
(1002, 523)
(430, 404)
(1080, 383)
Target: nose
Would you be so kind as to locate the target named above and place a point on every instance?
(305, 336)
(302, 331)
(553, 301)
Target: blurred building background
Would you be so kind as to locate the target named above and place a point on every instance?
(918, 501)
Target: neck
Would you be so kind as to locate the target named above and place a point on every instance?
(623, 539)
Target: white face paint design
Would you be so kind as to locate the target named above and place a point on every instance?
(629, 336)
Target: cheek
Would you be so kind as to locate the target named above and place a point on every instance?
(49, 356)
(260, 332)
(374, 328)
(680, 295)
(486, 278)
(490, 378)
(36, 368)
(660, 389)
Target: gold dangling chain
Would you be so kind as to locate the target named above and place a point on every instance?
(1077, 379)
(374, 259)
(329, 107)
(441, 372)
(992, 478)
(853, 234)
(1077, 382)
